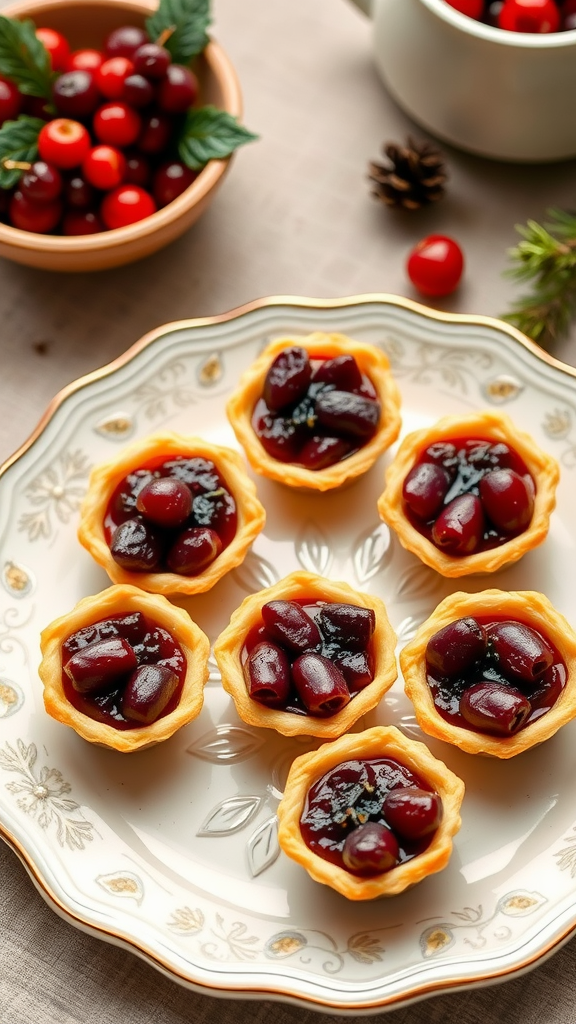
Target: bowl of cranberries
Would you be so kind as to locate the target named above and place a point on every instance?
(488, 76)
(117, 137)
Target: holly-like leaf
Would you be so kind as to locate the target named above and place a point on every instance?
(210, 134)
(18, 142)
(24, 59)
(188, 20)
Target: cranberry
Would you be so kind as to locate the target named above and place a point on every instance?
(529, 16)
(85, 60)
(127, 204)
(10, 101)
(165, 502)
(548, 687)
(57, 47)
(138, 91)
(521, 650)
(425, 488)
(288, 623)
(435, 265)
(147, 693)
(370, 849)
(456, 647)
(104, 167)
(217, 509)
(81, 222)
(124, 41)
(287, 379)
(40, 218)
(268, 674)
(197, 473)
(63, 143)
(494, 708)
(155, 134)
(42, 183)
(341, 371)
(412, 812)
(347, 624)
(78, 193)
(131, 626)
(320, 684)
(117, 124)
(472, 8)
(349, 413)
(111, 75)
(194, 550)
(75, 94)
(508, 499)
(357, 667)
(138, 170)
(277, 435)
(98, 666)
(178, 89)
(152, 60)
(319, 452)
(135, 546)
(493, 12)
(459, 528)
(171, 180)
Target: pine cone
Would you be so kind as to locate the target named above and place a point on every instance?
(414, 177)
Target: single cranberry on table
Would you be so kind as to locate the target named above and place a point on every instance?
(85, 60)
(178, 90)
(64, 143)
(171, 180)
(435, 265)
(111, 75)
(40, 218)
(536, 16)
(126, 205)
(104, 167)
(124, 41)
(75, 94)
(10, 101)
(41, 183)
(116, 124)
(57, 46)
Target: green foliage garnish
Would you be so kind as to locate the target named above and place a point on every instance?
(24, 59)
(18, 142)
(189, 20)
(210, 134)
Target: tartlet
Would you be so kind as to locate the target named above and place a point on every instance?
(228, 651)
(528, 607)
(373, 743)
(493, 427)
(372, 362)
(115, 601)
(106, 477)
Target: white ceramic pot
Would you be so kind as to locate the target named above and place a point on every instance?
(505, 95)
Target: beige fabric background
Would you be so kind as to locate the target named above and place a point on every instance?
(294, 217)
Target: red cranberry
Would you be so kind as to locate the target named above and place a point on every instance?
(148, 692)
(456, 647)
(125, 205)
(357, 667)
(124, 41)
(529, 16)
(155, 134)
(460, 526)
(347, 624)
(319, 452)
(522, 652)
(277, 435)
(412, 812)
(350, 414)
(198, 474)
(289, 624)
(85, 60)
(425, 488)
(193, 551)
(81, 222)
(135, 546)
(104, 167)
(152, 61)
(138, 91)
(178, 89)
(137, 170)
(171, 180)
(472, 8)
(100, 665)
(57, 46)
(75, 94)
(341, 371)
(508, 499)
(217, 509)
(287, 379)
(42, 183)
(78, 193)
(112, 74)
(64, 143)
(116, 124)
(494, 708)
(268, 675)
(320, 684)
(10, 101)
(370, 849)
(40, 218)
(165, 502)
(548, 687)
(435, 265)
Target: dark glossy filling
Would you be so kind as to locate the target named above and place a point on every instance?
(469, 494)
(358, 793)
(315, 413)
(309, 657)
(170, 515)
(125, 671)
(493, 675)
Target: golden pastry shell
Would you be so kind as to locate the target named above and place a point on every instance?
(378, 742)
(119, 600)
(529, 607)
(228, 651)
(492, 426)
(371, 360)
(106, 477)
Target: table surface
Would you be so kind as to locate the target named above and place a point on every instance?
(294, 217)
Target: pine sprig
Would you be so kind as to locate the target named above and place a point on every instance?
(210, 134)
(546, 256)
(186, 21)
(24, 59)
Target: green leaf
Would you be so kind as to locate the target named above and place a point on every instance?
(24, 59)
(210, 134)
(18, 141)
(189, 19)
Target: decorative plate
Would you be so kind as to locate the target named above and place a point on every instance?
(173, 852)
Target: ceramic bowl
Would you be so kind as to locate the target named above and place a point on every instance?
(86, 23)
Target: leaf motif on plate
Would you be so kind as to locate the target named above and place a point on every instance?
(11, 698)
(187, 920)
(230, 815)
(284, 944)
(558, 424)
(312, 550)
(520, 903)
(436, 939)
(419, 583)
(262, 847)
(567, 857)
(372, 553)
(255, 573)
(17, 580)
(226, 744)
(116, 427)
(123, 884)
(365, 949)
(502, 389)
(211, 370)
